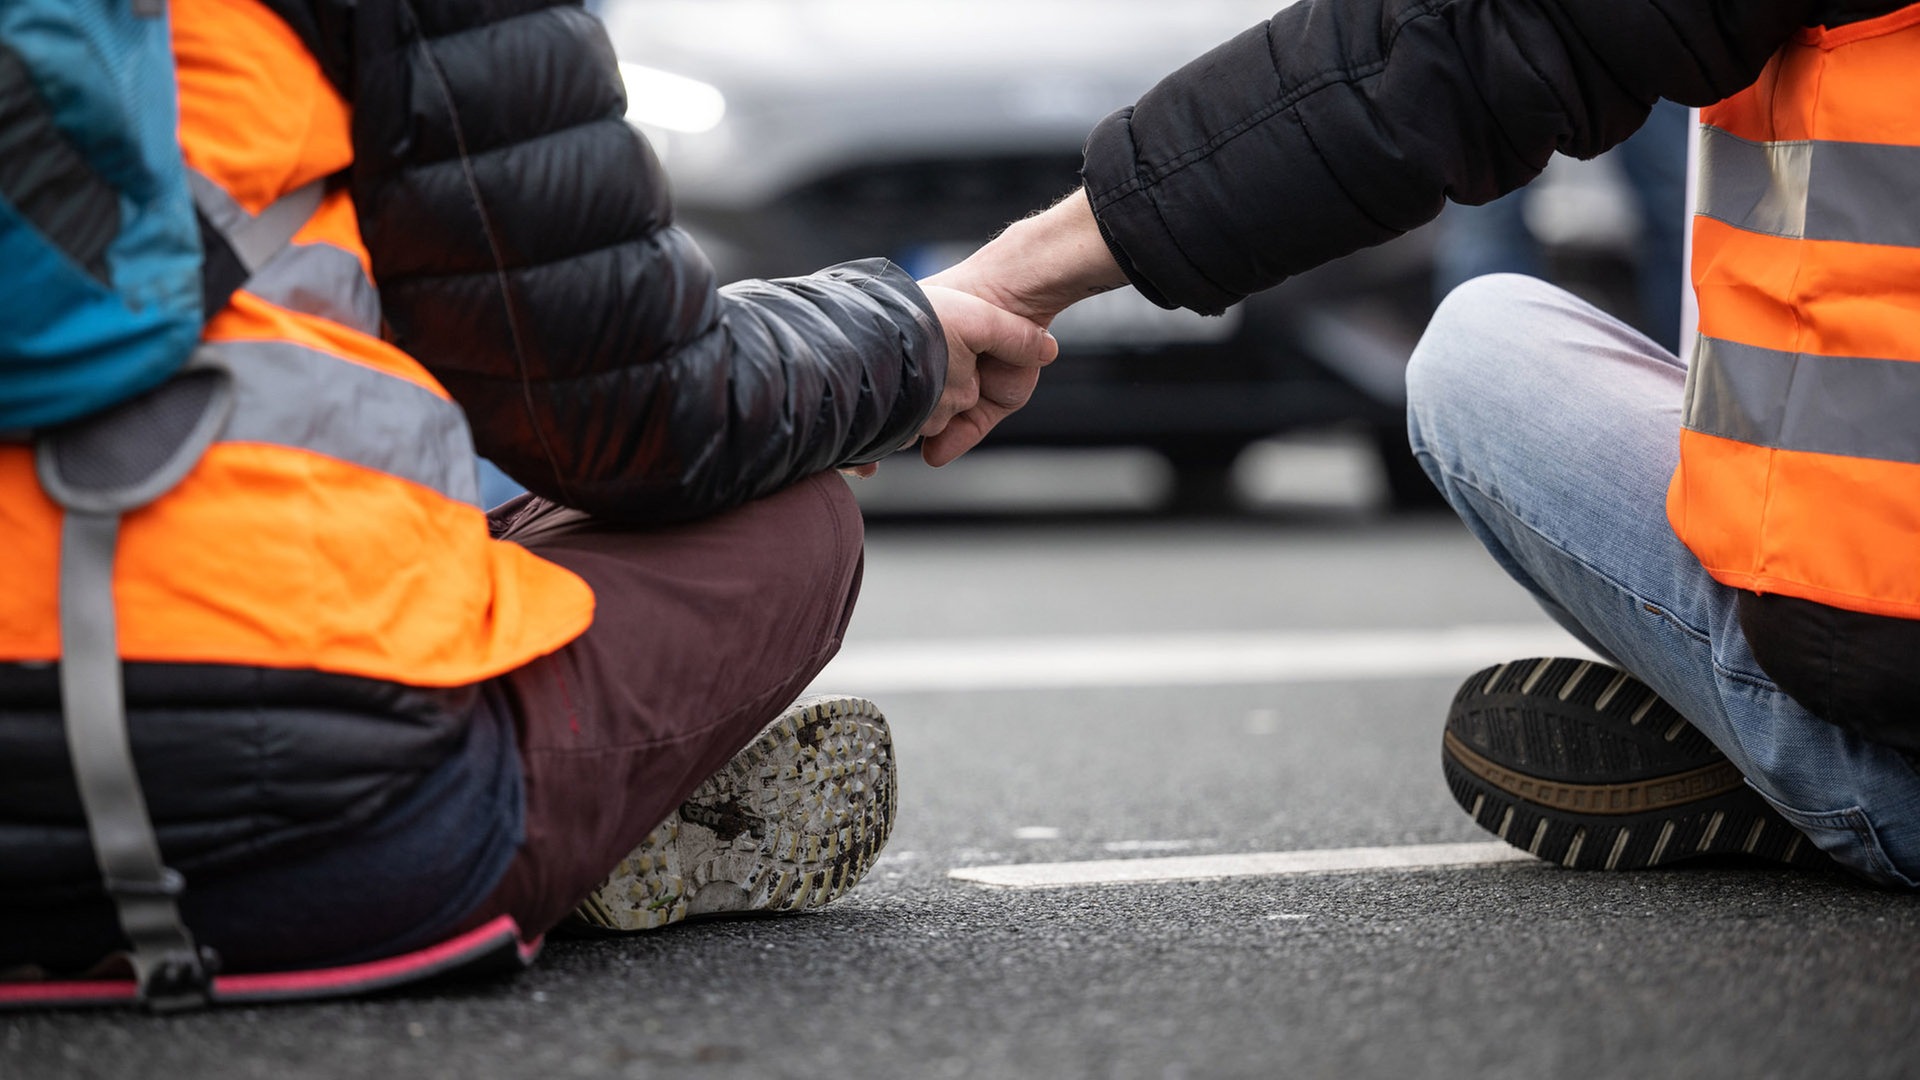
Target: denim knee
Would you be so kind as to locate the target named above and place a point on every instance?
(1465, 359)
(1476, 334)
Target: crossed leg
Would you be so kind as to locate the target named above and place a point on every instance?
(702, 634)
(1552, 429)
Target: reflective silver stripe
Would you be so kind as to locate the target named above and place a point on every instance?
(255, 238)
(1842, 405)
(1760, 187)
(313, 279)
(1861, 193)
(323, 280)
(289, 395)
(1865, 192)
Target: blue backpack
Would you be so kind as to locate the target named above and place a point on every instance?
(99, 246)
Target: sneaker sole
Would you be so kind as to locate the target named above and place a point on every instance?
(791, 823)
(1582, 764)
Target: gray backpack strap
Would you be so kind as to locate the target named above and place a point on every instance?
(98, 469)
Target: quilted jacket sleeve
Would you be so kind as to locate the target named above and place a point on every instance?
(1343, 123)
(522, 236)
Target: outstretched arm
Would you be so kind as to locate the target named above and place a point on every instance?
(1338, 124)
(1342, 123)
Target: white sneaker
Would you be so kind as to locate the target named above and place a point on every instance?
(791, 823)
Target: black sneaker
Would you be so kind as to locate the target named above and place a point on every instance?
(1584, 765)
(791, 823)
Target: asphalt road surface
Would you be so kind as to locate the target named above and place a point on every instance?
(1195, 700)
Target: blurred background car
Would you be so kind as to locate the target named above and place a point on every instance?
(800, 133)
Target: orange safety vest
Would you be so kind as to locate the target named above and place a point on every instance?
(334, 526)
(1800, 449)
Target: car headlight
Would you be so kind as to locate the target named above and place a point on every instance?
(661, 99)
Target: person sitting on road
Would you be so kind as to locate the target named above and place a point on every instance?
(1734, 533)
(366, 714)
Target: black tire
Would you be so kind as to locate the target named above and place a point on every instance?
(1203, 481)
(1409, 489)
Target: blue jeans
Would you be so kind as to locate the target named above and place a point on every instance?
(1552, 429)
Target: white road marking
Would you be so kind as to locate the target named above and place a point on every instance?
(1262, 722)
(1199, 659)
(1256, 864)
(1154, 845)
(1036, 832)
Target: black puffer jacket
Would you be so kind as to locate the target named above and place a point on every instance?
(1343, 123)
(522, 236)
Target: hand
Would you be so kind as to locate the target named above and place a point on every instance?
(993, 361)
(1035, 269)
(1039, 267)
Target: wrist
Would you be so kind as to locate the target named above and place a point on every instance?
(1063, 247)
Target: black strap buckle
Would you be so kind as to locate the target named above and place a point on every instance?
(180, 980)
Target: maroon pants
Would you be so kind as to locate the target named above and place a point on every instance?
(702, 633)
